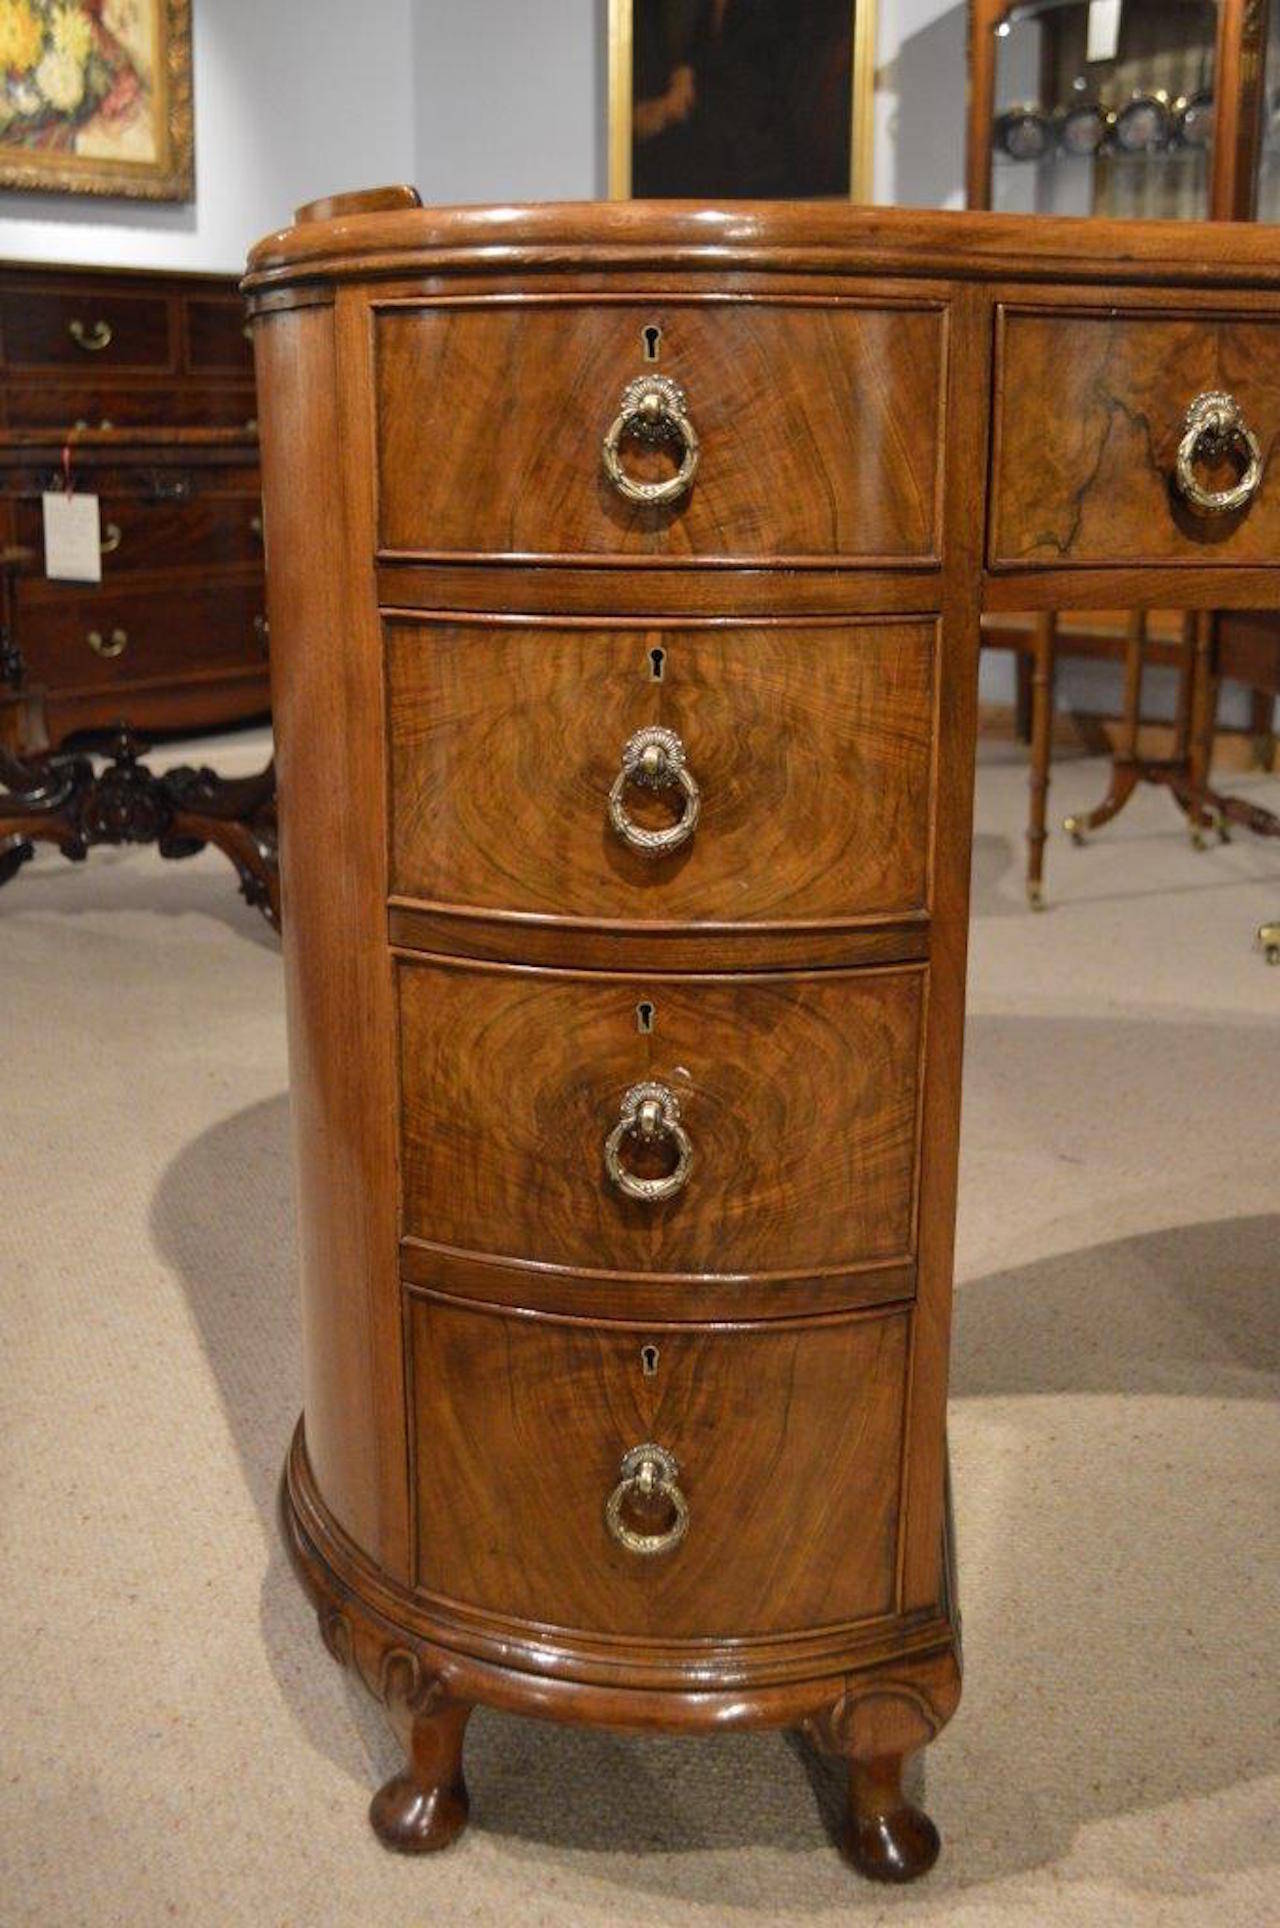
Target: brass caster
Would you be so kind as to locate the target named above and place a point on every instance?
(1224, 830)
(1198, 839)
(1074, 829)
(1269, 938)
(1035, 896)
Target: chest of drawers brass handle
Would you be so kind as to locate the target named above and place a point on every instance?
(1215, 426)
(92, 339)
(108, 646)
(654, 759)
(649, 1475)
(650, 1113)
(111, 540)
(653, 409)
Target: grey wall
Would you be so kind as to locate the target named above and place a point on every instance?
(290, 103)
(509, 100)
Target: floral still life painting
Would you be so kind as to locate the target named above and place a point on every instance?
(95, 97)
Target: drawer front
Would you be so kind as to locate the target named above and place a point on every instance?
(787, 1443)
(214, 531)
(807, 749)
(61, 406)
(1091, 413)
(217, 337)
(797, 1095)
(85, 328)
(169, 634)
(818, 424)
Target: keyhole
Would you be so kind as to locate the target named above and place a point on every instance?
(645, 1015)
(652, 339)
(657, 664)
(649, 1361)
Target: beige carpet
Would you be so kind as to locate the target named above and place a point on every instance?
(177, 1747)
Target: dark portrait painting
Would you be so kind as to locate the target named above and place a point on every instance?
(741, 98)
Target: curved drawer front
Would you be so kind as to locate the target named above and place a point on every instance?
(807, 749)
(1091, 414)
(786, 1443)
(817, 424)
(797, 1095)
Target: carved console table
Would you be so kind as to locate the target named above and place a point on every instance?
(626, 573)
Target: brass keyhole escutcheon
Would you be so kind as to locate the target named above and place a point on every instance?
(646, 1014)
(652, 338)
(649, 1361)
(657, 664)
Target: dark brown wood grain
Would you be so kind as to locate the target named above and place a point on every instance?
(491, 417)
(792, 1516)
(218, 336)
(811, 748)
(1090, 410)
(39, 327)
(159, 626)
(176, 474)
(798, 1092)
(100, 402)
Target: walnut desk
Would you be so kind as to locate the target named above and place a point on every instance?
(626, 569)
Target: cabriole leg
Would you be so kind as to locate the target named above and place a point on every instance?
(424, 1807)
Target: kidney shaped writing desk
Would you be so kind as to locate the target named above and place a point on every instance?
(625, 568)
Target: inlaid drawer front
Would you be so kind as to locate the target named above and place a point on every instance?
(140, 534)
(677, 1124)
(788, 772)
(89, 636)
(1132, 438)
(60, 406)
(218, 334)
(764, 430)
(766, 1501)
(85, 328)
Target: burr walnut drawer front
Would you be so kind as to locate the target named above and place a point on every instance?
(765, 429)
(733, 773)
(86, 637)
(1126, 438)
(680, 1483)
(685, 1125)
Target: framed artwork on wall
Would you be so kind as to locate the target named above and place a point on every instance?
(95, 97)
(741, 99)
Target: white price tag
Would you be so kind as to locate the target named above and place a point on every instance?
(1102, 35)
(72, 537)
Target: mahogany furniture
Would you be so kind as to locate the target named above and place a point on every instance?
(626, 573)
(1165, 119)
(137, 387)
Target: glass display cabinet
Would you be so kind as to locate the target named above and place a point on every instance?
(1121, 108)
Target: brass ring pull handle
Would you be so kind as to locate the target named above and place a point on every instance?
(112, 540)
(92, 339)
(653, 408)
(654, 759)
(1214, 425)
(650, 1113)
(114, 645)
(649, 1474)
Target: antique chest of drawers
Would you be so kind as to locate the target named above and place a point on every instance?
(147, 380)
(626, 572)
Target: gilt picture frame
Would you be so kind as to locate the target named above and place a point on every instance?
(726, 99)
(96, 98)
